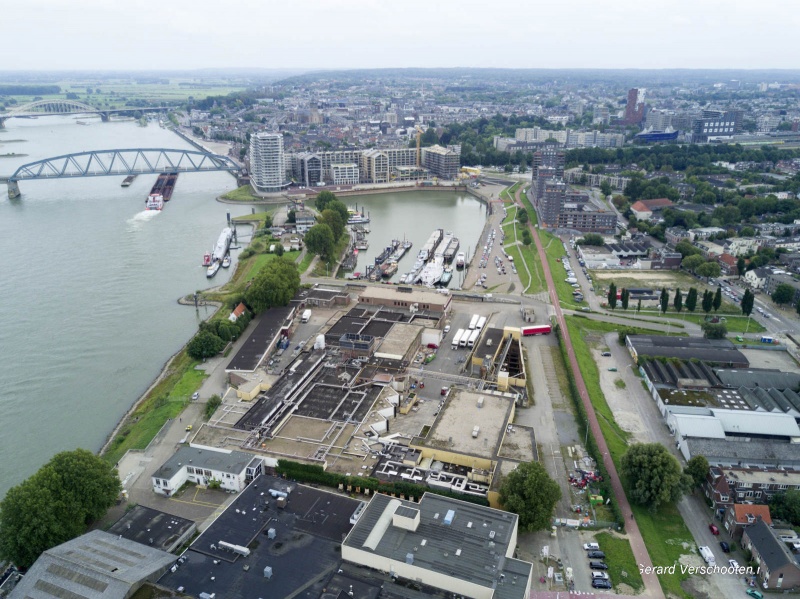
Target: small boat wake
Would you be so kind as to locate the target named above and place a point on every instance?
(137, 221)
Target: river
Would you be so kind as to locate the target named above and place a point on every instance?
(89, 287)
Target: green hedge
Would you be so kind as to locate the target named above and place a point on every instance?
(310, 473)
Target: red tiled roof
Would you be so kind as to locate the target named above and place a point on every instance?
(657, 203)
(727, 259)
(239, 310)
(742, 511)
(639, 206)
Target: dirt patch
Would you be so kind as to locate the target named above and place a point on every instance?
(699, 588)
(623, 589)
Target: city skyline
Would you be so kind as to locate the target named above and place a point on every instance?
(352, 34)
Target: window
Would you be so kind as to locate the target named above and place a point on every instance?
(190, 469)
(158, 482)
(758, 494)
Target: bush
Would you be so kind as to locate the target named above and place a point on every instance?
(211, 405)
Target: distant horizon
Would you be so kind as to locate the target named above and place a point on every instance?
(397, 68)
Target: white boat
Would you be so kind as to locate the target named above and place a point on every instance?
(461, 260)
(155, 201)
(226, 261)
(212, 270)
(223, 245)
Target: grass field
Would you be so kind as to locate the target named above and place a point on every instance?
(664, 532)
(166, 400)
(622, 566)
(507, 195)
(242, 194)
(302, 267)
(322, 269)
(554, 248)
(254, 264)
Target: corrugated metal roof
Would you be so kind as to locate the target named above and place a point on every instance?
(757, 423)
(691, 425)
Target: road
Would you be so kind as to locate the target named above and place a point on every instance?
(651, 583)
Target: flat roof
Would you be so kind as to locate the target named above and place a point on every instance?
(255, 346)
(400, 339)
(490, 341)
(232, 462)
(151, 527)
(312, 524)
(452, 430)
(744, 452)
(415, 295)
(718, 351)
(472, 547)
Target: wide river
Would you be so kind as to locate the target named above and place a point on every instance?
(89, 313)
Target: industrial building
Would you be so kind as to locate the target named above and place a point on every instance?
(153, 528)
(96, 565)
(410, 298)
(233, 470)
(444, 543)
(715, 351)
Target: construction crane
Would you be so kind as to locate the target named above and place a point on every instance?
(420, 131)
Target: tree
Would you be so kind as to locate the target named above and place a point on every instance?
(522, 216)
(714, 330)
(339, 209)
(654, 475)
(323, 199)
(591, 239)
(530, 493)
(709, 270)
(626, 297)
(211, 406)
(747, 231)
(741, 265)
(692, 262)
(664, 300)
(205, 344)
(526, 237)
(279, 249)
(685, 248)
(605, 188)
(291, 216)
(797, 307)
(334, 221)
(612, 296)
(748, 299)
(697, 470)
(708, 301)
(783, 294)
(275, 284)
(319, 240)
(691, 299)
(717, 302)
(55, 505)
(639, 306)
(677, 302)
(786, 506)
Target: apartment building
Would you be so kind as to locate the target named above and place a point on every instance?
(725, 486)
(445, 163)
(345, 173)
(267, 162)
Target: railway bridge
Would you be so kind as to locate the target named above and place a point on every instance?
(62, 107)
(102, 163)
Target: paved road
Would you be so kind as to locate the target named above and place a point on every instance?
(637, 543)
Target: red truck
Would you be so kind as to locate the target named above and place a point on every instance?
(539, 329)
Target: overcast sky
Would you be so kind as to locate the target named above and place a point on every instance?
(190, 34)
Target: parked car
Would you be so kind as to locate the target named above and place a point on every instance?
(598, 565)
(591, 546)
(195, 395)
(599, 583)
(612, 369)
(188, 427)
(754, 593)
(596, 555)
(713, 528)
(733, 564)
(605, 354)
(725, 547)
(447, 328)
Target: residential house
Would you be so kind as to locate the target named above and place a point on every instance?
(779, 277)
(705, 233)
(674, 235)
(727, 485)
(757, 277)
(237, 312)
(741, 515)
(644, 209)
(304, 220)
(778, 566)
(727, 263)
(739, 246)
(709, 249)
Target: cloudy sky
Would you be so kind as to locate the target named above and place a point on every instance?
(189, 34)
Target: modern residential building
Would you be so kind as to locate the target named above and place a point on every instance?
(445, 163)
(585, 217)
(634, 110)
(375, 166)
(231, 469)
(579, 177)
(451, 545)
(345, 173)
(778, 566)
(717, 123)
(551, 201)
(778, 278)
(307, 168)
(267, 165)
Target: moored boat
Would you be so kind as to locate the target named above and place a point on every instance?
(155, 201)
(447, 276)
(461, 260)
(207, 259)
(226, 261)
(212, 269)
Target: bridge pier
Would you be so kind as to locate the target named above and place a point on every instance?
(104, 116)
(13, 190)
(3, 122)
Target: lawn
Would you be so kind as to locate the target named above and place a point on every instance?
(305, 263)
(734, 324)
(511, 215)
(322, 269)
(166, 400)
(507, 194)
(554, 248)
(254, 264)
(242, 194)
(622, 566)
(514, 252)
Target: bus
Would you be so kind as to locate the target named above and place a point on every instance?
(457, 338)
(474, 322)
(473, 338)
(539, 329)
(481, 323)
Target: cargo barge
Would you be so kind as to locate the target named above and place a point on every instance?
(161, 191)
(451, 250)
(126, 182)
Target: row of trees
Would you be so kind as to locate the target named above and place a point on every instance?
(710, 300)
(58, 503)
(214, 335)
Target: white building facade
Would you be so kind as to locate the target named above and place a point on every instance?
(267, 163)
